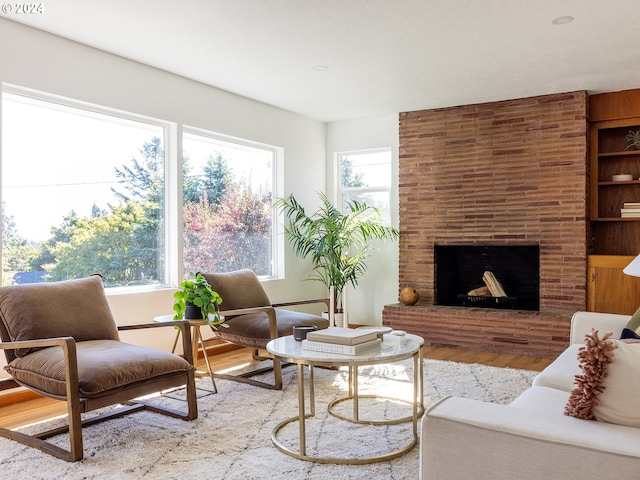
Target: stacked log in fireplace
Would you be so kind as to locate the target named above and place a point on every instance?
(492, 294)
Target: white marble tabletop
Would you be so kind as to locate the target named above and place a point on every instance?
(393, 348)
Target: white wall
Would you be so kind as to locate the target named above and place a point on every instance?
(379, 286)
(37, 60)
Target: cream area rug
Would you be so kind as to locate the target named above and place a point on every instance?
(231, 437)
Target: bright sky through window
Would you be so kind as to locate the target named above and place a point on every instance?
(58, 159)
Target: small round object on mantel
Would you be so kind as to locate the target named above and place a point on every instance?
(409, 296)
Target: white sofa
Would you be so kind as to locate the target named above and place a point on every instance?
(531, 438)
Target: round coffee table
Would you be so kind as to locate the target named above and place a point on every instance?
(393, 348)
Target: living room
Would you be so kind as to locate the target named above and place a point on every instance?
(47, 62)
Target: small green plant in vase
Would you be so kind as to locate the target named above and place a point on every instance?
(196, 300)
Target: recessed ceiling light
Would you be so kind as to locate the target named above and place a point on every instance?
(320, 68)
(562, 20)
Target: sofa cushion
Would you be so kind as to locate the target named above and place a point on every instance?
(634, 321)
(627, 333)
(618, 402)
(546, 401)
(561, 372)
(608, 389)
(71, 308)
(104, 366)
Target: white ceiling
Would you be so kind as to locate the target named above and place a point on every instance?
(382, 56)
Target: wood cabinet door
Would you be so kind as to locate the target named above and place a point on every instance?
(609, 290)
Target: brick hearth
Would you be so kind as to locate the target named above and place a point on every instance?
(501, 173)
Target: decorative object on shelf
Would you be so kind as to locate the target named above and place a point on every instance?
(409, 296)
(196, 291)
(337, 242)
(630, 210)
(633, 140)
(622, 177)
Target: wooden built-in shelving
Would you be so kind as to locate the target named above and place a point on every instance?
(616, 240)
(610, 155)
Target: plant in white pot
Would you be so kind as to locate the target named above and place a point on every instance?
(336, 242)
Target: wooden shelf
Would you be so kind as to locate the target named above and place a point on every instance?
(612, 234)
(617, 184)
(618, 154)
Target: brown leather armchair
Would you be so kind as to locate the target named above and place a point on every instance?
(61, 341)
(252, 320)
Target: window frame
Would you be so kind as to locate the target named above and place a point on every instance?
(169, 130)
(173, 182)
(277, 231)
(341, 191)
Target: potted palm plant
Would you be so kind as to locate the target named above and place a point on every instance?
(196, 300)
(335, 241)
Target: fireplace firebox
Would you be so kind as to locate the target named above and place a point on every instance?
(460, 269)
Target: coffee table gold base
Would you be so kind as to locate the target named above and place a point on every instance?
(337, 460)
(366, 421)
(354, 396)
(416, 404)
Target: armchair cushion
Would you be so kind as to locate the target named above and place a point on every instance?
(252, 330)
(238, 289)
(252, 321)
(104, 367)
(72, 308)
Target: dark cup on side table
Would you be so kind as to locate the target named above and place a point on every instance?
(300, 331)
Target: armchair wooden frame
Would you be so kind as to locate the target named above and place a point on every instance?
(77, 405)
(270, 310)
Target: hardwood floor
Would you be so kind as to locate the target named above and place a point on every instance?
(503, 360)
(15, 413)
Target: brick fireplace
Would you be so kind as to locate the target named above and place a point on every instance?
(460, 270)
(496, 174)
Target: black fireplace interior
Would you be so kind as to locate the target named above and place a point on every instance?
(460, 268)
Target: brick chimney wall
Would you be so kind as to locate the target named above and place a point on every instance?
(502, 173)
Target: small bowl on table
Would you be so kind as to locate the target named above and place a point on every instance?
(300, 331)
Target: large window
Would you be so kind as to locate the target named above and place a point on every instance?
(228, 187)
(365, 176)
(83, 192)
(86, 189)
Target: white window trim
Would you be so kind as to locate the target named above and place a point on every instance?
(340, 190)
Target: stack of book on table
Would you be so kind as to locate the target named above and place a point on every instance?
(345, 341)
(630, 210)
